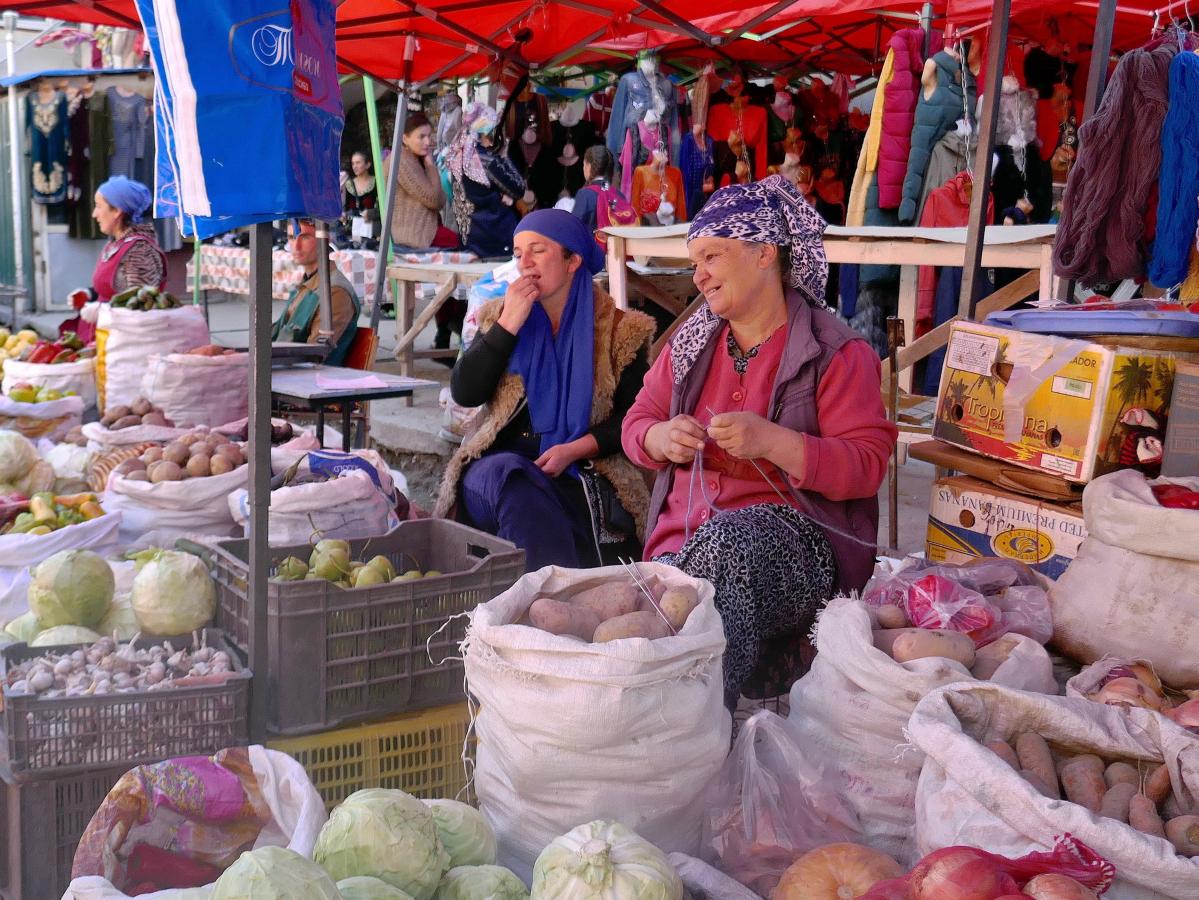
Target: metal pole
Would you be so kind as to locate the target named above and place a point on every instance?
(977, 228)
(15, 167)
(259, 433)
(392, 177)
(926, 25)
(895, 340)
(323, 284)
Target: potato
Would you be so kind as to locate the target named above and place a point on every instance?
(220, 465)
(198, 466)
(126, 422)
(190, 438)
(884, 638)
(891, 616)
(176, 452)
(636, 624)
(1034, 755)
(215, 439)
(560, 617)
(677, 604)
(233, 453)
(165, 470)
(129, 466)
(1121, 773)
(926, 643)
(153, 455)
(141, 406)
(988, 659)
(609, 600)
(116, 412)
(155, 418)
(139, 475)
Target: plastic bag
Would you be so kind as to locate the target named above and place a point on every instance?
(935, 601)
(771, 804)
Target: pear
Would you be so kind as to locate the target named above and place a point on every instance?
(410, 575)
(432, 573)
(292, 569)
(383, 564)
(367, 576)
(331, 564)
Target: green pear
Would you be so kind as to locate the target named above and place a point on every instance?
(383, 564)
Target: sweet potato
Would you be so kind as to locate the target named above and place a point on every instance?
(636, 624)
(1183, 833)
(1142, 815)
(988, 659)
(926, 643)
(884, 638)
(1004, 751)
(891, 617)
(1157, 785)
(609, 600)
(1082, 781)
(559, 617)
(1121, 773)
(1034, 755)
(677, 604)
(1116, 800)
(1040, 784)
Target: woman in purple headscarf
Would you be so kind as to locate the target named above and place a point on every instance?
(556, 366)
(764, 422)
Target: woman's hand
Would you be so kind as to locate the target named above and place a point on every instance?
(558, 458)
(676, 440)
(745, 435)
(518, 303)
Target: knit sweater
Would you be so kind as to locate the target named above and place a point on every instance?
(418, 201)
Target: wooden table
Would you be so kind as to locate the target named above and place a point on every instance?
(406, 276)
(297, 385)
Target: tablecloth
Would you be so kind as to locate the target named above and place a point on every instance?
(227, 269)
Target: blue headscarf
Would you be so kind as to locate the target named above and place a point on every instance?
(127, 195)
(558, 370)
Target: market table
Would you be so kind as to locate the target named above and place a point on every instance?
(318, 387)
(227, 269)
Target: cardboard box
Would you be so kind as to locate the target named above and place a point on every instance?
(969, 519)
(1181, 455)
(1055, 404)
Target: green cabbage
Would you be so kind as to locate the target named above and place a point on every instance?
(120, 619)
(17, 456)
(274, 873)
(464, 833)
(481, 883)
(24, 628)
(72, 587)
(61, 635)
(574, 865)
(387, 834)
(364, 887)
(173, 594)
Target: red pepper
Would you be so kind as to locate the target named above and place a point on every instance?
(65, 356)
(1175, 496)
(43, 352)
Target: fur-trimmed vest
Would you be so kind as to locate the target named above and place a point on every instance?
(619, 336)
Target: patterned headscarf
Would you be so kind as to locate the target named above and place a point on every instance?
(462, 158)
(771, 211)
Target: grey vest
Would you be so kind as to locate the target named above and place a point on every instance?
(813, 339)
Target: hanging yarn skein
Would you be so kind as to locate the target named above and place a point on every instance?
(1177, 207)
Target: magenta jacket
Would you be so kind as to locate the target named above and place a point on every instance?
(899, 114)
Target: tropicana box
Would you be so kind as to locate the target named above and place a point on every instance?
(1069, 407)
(969, 519)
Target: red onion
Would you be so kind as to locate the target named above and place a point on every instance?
(959, 873)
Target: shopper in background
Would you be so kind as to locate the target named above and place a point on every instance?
(360, 202)
(416, 218)
(597, 176)
(301, 319)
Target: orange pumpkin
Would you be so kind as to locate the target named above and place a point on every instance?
(835, 872)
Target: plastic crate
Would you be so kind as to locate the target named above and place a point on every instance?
(420, 753)
(41, 823)
(66, 735)
(337, 656)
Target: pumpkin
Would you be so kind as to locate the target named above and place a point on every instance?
(835, 872)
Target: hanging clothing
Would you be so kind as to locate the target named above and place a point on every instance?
(952, 155)
(48, 124)
(866, 174)
(354, 201)
(485, 222)
(899, 114)
(635, 97)
(577, 138)
(539, 168)
(1101, 234)
(1177, 209)
(947, 207)
(696, 164)
(953, 98)
(129, 151)
(650, 189)
(750, 121)
(86, 170)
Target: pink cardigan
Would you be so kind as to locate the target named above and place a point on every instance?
(848, 459)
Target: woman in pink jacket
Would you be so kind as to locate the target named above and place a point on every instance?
(764, 422)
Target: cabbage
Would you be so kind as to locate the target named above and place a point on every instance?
(464, 833)
(481, 883)
(274, 873)
(364, 887)
(72, 587)
(120, 619)
(17, 456)
(387, 834)
(24, 628)
(61, 635)
(607, 854)
(173, 594)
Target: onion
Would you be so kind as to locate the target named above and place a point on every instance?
(959, 873)
(1128, 692)
(1186, 715)
(1058, 887)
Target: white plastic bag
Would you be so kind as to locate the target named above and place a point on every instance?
(198, 390)
(126, 339)
(630, 731)
(347, 507)
(1133, 588)
(852, 707)
(101, 439)
(50, 420)
(70, 464)
(706, 883)
(18, 552)
(297, 816)
(967, 795)
(179, 508)
(78, 376)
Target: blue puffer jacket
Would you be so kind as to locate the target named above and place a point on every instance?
(934, 118)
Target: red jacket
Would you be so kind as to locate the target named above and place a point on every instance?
(948, 207)
(899, 114)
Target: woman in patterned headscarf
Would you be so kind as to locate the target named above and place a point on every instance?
(764, 421)
(485, 185)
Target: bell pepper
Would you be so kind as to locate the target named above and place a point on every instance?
(40, 529)
(22, 523)
(74, 500)
(91, 510)
(70, 340)
(66, 356)
(43, 510)
(1175, 496)
(43, 352)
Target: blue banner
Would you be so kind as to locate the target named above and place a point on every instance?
(247, 111)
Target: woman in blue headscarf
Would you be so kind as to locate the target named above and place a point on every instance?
(131, 258)
(555, 367)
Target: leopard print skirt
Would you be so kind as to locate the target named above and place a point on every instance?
(773, 570)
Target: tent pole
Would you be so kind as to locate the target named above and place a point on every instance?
(926, 25)
(324, 285)
(372, 121)
(393, 170)
(259, 434)
(977, 228)
(16, 170)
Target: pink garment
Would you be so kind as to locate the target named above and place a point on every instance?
(899, 113)
(848, 459)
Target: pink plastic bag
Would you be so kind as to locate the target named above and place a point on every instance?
(939, 602)
(770, 804)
